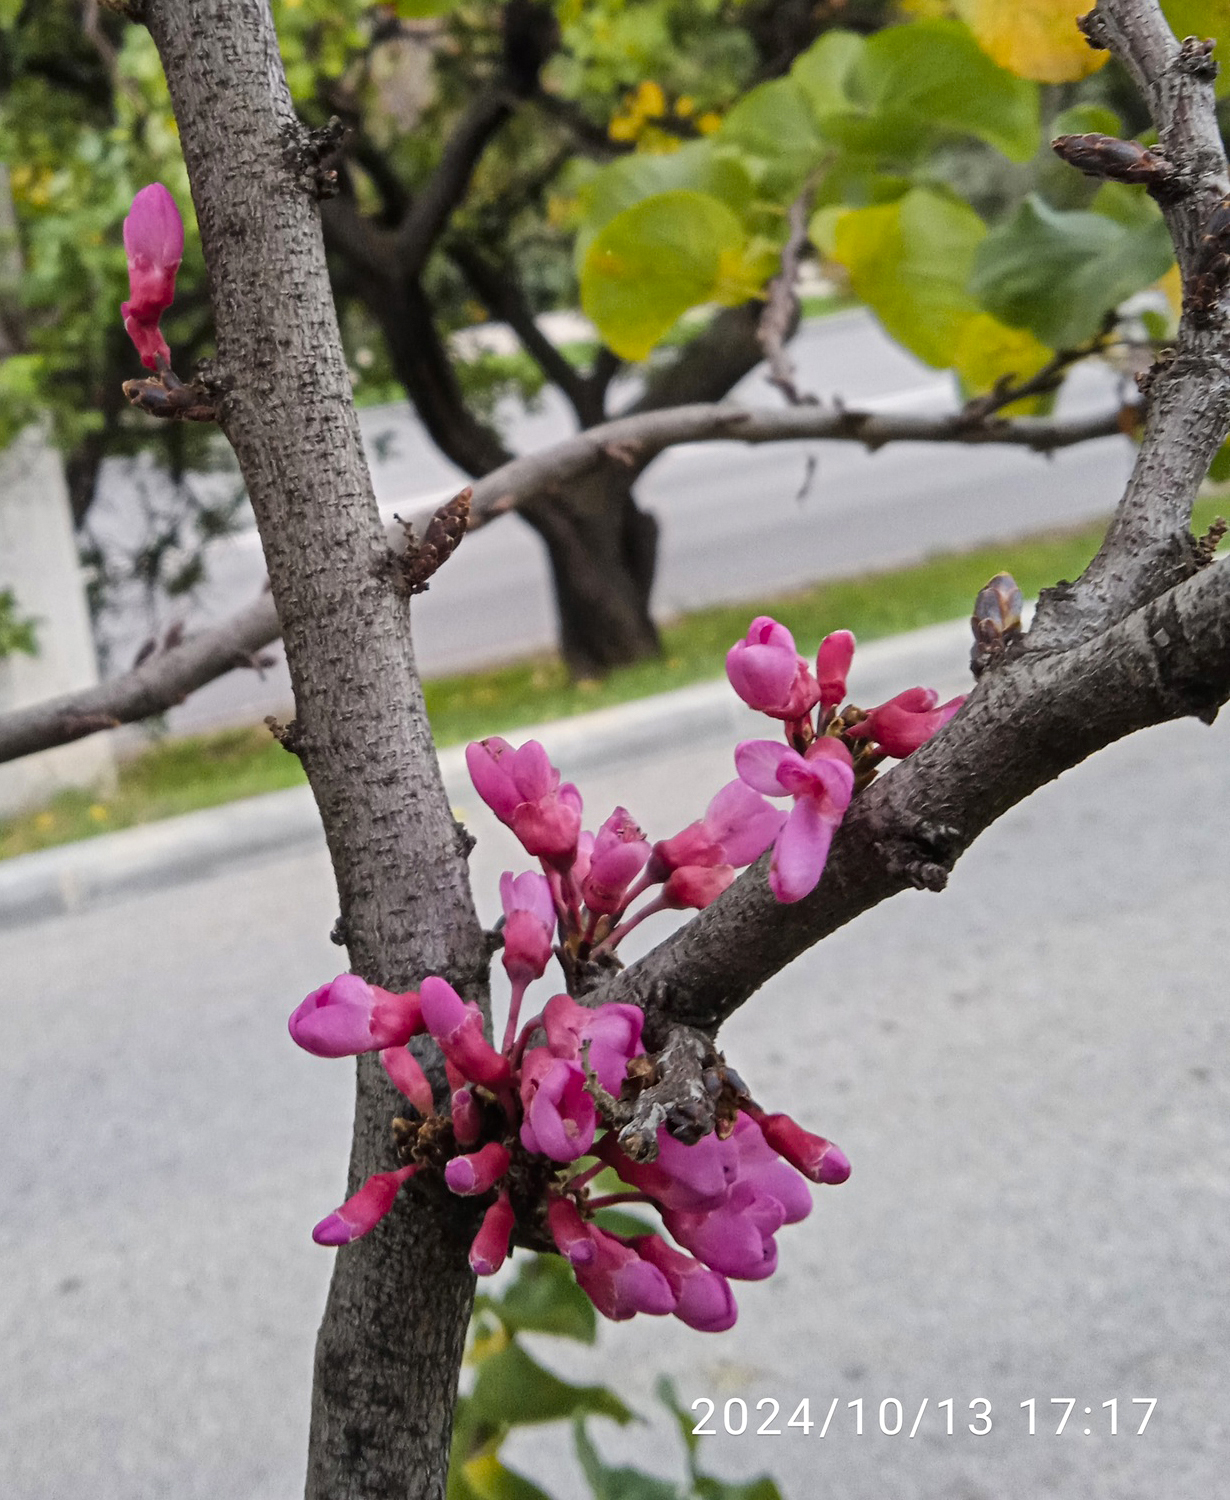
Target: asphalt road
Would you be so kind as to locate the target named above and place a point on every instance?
(1027, 1073)
(736, 522)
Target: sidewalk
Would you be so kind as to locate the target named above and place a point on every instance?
(73, 876)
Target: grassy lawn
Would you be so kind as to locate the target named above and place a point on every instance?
(182, 775)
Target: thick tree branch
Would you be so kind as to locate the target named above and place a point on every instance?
(165, 681)
(391, 1342)
(1025, 723)
(1149, 546)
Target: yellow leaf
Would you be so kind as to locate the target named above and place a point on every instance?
(988, 351)
(1171, 285)
(1036, 39)
(925, 10)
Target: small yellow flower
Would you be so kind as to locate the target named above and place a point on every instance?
(45, 821)
(685, 106)
(709, 122)
(98, 812)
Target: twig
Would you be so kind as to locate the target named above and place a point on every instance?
(781, 311)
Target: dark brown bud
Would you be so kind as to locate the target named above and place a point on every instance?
(441, 539)
(1107, 156)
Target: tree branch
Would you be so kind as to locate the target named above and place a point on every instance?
(1149, 546)
(1025, 723)
(161, 683)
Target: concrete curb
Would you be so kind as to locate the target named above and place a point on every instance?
(71, 877)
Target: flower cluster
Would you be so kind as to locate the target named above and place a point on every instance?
(523, 1128)
(830, 752)
(529, 1130)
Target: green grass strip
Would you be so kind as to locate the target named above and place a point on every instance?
(178, 776)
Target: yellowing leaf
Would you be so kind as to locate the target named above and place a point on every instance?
(1036, 39)
(1171, 285)
(988, 351)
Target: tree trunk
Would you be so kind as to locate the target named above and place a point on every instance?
(391, 1341)
(603, 550)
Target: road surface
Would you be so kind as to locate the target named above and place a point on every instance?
(1027, 1073)
(734, 524)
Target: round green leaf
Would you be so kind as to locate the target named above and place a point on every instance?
(653, 262)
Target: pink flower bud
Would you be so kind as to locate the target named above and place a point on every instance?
(550, 826)
(467, 1176)
(529, 925)
(467, 1117)
(458, 1028)
(817, 1159)
(489, 763)
(833, 667)
(737, 828)
(704, 1300)
(403, 1068)
(490, 1248)
(560, 1115)
(620, 1284)
(617, 858)
(821, 783)
(696, 885)
(522, 788)
(683, 1177)
(905, 722)
(570, 1232)
(154, 243)
(768, 674)
(364, 1211)
(350, 1016)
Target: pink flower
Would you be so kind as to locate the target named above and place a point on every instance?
(907, 721)
(364, 1211)
(818, 1160)
(619, 1283)
(350, 1016)
(821, 784)
(458, 1028)
(736, 1239)
(703, 1298)
(613, 1033)
(737, 828)
(468, 1176)
(618, 856)
(467, 1117)
(695, 885)
(684, 1177)
(522, 788)
(570, 1233)
(154, 244)
(560, 1116)
(490, 1248)
(403, 1069)
(529, 925)
(833, 667)
(769, 674)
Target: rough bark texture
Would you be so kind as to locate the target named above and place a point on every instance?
(392, 1336)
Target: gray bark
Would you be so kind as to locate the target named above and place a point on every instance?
(392, 1337)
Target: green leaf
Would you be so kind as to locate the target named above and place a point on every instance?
(1059, 273)
(618, 1484)
(488, 1479)
(708, 1488)
(656, 260)
(909, 262)
(620, 1221)
(512, 1389)
(664, 1390)
(1203, 18)
(1219, 469)
(545, 1298)
(1086, 119)
(894, 93)
(775, 126)
(697, 167)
